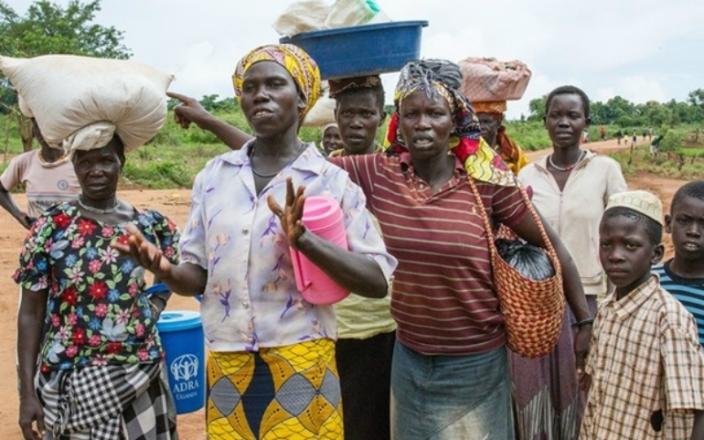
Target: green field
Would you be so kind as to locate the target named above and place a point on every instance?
(688, 165)
(173, 158)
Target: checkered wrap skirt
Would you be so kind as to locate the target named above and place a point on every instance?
(111, 402)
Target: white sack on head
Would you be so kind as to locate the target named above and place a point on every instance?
(323, 112)
(79, 101)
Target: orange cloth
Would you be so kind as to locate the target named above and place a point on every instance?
(489, 106)
(509, 151)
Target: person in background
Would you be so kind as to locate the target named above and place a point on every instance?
(491, 118)
(655, 146)
(602, 133)
(645, 370)
(683, 275)
(271, 362)
(571, 187)
(619, 135)
(48, 178)
(330, 139)
(366, 329)
(90, 356)
(359, 112)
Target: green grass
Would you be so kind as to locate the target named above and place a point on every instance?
(692, 152)
(174, 156)
(663, 164)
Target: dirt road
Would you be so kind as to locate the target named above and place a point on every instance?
(173, 203)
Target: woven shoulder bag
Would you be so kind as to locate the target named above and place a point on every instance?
(533, 310)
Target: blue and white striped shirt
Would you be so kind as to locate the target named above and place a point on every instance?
(689, 291)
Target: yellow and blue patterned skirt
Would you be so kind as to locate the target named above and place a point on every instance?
(290, 392)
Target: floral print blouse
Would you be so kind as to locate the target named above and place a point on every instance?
(97, 312)
(251, 300)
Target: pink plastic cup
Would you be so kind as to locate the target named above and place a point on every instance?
(323, 217)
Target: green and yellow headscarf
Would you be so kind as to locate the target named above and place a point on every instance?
(295, 60)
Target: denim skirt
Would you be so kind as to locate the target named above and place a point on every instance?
(450, 397)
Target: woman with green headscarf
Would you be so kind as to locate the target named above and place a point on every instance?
(271, 363)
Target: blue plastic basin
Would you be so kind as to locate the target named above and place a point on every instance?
(362, 50)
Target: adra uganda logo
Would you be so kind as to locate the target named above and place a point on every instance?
(184, 367)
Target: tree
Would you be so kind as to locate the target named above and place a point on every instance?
(696, 98)
(48, 28)
(536, 107)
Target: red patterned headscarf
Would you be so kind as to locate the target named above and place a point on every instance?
(443, 78)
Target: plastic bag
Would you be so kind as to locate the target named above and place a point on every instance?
(80, 102)
(302, 16)
(531, 261)
(352, 13)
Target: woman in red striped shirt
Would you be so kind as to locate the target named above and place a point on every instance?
(449, 375)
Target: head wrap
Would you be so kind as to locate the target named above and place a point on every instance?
(509, 150)
(490, 107)
(295, 60)
(443, 78)
(341, 85)
(331, 125)
(643, 202)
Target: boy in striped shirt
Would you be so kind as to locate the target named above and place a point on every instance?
(683, 275)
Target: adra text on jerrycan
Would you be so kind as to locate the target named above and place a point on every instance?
(323, 217)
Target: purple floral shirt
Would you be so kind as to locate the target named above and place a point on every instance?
(251, 300)
(97, 312)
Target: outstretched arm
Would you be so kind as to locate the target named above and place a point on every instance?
(353, 271)
(190, 111)
(186, 278)
(8, 203)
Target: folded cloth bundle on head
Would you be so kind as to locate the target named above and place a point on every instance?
(80, 102)
(489, 80)
(488, 84)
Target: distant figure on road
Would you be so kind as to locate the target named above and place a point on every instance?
(602, 132)
(619, 135)
(655, 145)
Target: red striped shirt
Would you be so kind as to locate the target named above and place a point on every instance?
(443, 298)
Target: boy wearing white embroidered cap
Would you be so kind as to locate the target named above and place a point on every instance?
(645, 366)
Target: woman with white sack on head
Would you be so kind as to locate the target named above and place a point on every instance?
(90, 357)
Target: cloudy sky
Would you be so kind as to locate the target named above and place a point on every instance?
(639, 49)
